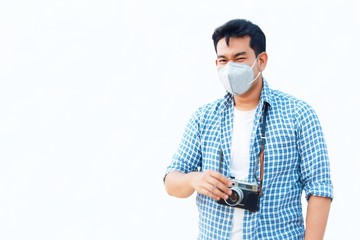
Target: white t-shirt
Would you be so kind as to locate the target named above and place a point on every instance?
(240, 159)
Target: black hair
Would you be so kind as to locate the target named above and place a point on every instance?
(238, 28)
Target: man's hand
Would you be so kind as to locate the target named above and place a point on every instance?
(212, 184)
(209, 183)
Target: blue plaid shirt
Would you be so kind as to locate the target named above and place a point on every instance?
(296, 159)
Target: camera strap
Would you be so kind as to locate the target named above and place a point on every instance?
(262, 148)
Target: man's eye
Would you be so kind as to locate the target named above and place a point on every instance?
(222, 61)
(240, 59)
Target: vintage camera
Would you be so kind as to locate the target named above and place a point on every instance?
(244, 195)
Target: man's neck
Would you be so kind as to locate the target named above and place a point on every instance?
(249, 100)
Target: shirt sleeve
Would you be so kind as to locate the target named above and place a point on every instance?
(187, 158)
(314, 165)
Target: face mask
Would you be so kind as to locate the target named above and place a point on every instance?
(237, 78)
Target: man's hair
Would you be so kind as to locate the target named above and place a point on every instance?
(239, 28)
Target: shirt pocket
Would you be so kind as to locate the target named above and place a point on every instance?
(280, 155)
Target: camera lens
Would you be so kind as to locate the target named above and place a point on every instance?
(235, 198)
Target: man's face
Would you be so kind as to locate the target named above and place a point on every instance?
(239, 50)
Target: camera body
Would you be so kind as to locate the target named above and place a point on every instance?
(244, 195)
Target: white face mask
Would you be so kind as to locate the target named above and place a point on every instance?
(237, 78)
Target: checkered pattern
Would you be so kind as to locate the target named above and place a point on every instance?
(296, 159)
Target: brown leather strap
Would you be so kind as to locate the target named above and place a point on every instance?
(261, 164)
(261, 156)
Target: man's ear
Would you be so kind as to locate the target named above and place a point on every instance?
(263, 58)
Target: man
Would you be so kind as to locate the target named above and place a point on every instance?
(266, 140)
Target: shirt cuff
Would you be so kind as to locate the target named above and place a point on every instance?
(320, 189)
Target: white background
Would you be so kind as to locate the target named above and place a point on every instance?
(94, 96)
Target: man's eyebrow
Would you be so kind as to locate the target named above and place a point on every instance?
(239, 54)
(236, 55)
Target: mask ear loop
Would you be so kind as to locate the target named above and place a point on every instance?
(252, 68)
(255, 78)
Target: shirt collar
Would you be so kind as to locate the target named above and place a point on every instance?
(265, 96)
